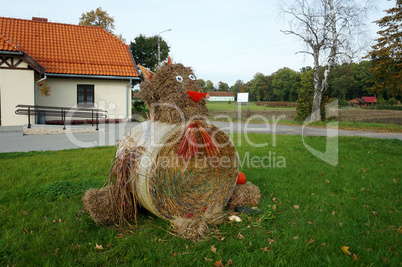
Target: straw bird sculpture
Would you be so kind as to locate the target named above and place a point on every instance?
(176, 164)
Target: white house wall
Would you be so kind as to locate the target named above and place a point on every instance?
(110, 95)
(221, 98)
(16, 87)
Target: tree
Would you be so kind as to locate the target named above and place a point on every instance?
(223, 86)
(328, 28)
(201, 83)
(386, 54)
(100, 18)
(285, 84)
(236, 88)
(145, 51)
(209, 86)
(97, 18)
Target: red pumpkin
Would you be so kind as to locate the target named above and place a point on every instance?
(241, 178)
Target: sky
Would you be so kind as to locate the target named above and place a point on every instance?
(221, 40)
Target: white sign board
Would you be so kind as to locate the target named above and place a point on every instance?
(242, 97)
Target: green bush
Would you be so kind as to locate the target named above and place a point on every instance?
(138, 105)
(392, 101)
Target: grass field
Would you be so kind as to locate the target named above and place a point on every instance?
(348, 118)
(310, 210)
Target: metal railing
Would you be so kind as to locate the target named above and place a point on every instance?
(29, 110)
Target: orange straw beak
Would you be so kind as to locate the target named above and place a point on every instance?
(196, 96)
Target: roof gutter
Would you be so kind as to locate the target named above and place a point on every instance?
(93, 76)
(19, 53)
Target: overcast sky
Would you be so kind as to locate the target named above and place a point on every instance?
(221, 40)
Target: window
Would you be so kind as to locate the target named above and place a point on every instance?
(85, 95)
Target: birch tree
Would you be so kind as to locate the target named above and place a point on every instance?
(331, 31)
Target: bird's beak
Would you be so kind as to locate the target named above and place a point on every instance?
(196, 96)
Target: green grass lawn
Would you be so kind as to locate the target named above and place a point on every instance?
(311, 209)
(225, 106)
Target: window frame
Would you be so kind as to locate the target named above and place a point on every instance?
(85, 103)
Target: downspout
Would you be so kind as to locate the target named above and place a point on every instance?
(36, 96)
(128, 104)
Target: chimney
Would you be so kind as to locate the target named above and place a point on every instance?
(39, 19)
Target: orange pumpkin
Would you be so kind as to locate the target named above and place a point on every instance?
(241, 178)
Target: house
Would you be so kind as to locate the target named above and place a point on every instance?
(83, 66)
(220, 96)
(357, 102)
(370, 100)
(136, 95)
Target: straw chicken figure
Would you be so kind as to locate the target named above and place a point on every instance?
(176, 165)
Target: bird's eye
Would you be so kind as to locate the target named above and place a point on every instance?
(192, 77)
(179, 78)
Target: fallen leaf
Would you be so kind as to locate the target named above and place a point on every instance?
(230, 262)
(213, 249)
(323, 244)
(58, 220)
(119, 235)
(340, 224)
(400, 230)
(250, 244)
(208, 259)
(57, 250)
(296, 207)
(26, 213)
(240, 236)
(345, 249)
(273, 207)
(98, 247)
(109, 245)
(274, 199)
(354, 257)
(333, 213)
(309, 222)
(26, 231)
(270, 241)
(327, 181)
(395, 181)
(296, 237)
(310, 241)
(375, 213)
(77, 246)
(266, 249)
(218, 263)
(174, 255)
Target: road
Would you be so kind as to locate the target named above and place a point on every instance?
(13, 140)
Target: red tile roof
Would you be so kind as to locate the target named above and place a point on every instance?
(7, 44)
(220, 94)
(68, 49)
(370, 99)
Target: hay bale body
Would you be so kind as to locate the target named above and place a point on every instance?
(169, 186)
(244, 195)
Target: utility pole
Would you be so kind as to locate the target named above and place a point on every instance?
(159, 46)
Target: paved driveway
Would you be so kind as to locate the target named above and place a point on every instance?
(12, 139)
